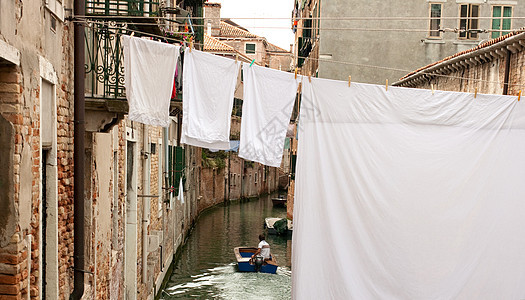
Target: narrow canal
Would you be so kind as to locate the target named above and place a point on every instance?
(207, 269)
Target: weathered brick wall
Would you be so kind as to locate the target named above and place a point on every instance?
(212, 187)
(487, 77)
(65, 125)
(13, 252)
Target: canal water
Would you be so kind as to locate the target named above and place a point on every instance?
(206, 268)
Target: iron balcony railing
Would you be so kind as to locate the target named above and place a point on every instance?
(104, 62)
(122, 7)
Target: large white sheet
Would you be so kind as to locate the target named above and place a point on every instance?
(269, 97)
(402, 194)
(208, 87)
(149, 68)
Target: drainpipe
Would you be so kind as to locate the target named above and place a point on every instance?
(145, 201)
(166, 164)
(29, 239)
(79, 153)
(507, 74)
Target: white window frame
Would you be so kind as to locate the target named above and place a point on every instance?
(430, 36)
(56, 8)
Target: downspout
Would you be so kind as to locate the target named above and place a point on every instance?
(79, 153)
(145, 201)
(507, 74)
(166, 193)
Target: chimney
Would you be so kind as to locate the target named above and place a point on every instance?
(212, 18)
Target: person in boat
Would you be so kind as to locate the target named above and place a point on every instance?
(263, 249)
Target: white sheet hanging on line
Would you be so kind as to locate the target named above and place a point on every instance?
(208, 87)
(149, 69)
(402, 194)
(269, 97)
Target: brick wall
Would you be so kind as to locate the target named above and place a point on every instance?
(487, 77)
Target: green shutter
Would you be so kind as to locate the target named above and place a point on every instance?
(507, 14)
(170, 164)
(496, 21)
(179, 166)
(250, 48)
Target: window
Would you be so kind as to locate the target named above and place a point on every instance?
(56, 7)
(250, 48)
(435, 20)
(501, 20)
(468, 21)
(255, 177)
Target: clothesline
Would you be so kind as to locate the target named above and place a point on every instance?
(481, 30)
(316, 59)
(387, 18)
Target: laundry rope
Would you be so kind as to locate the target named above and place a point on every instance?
(310, 58)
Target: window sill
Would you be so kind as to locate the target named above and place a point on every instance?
(433, 41)
(466, 42)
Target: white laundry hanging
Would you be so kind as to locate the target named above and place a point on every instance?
(180, 196)
(149, 68)
(408, 194)
(208, 90)
(269, 97)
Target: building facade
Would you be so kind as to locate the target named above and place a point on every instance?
(36, 184)
(494, 67)
(133, 222)
(372, 43)
(239, 38)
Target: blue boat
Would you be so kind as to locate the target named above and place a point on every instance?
(243, 255)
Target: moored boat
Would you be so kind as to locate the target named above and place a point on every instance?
(279, 201)
(280, 226)
(243, 255)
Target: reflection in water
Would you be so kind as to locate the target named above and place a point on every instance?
(206, 268)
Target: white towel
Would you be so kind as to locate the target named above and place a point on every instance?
(269, 97)
(208, 87)
(149, 69)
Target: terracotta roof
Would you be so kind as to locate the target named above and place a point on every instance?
(212, 4)
(480, 46)
(228, 30)
(212, 44)
(274, 48)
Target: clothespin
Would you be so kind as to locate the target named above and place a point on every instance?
(252, 62)
(309, 77)
(432, 88)
(349, 80)
(475, 93)
(191, 44)
(236, 58)
(295, 73)
(133, 33)
(519, 96)
(386, 85)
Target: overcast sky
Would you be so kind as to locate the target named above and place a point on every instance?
(281, 37)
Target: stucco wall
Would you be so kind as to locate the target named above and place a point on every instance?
(401, 48)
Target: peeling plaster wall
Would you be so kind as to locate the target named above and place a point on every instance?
(7, 205)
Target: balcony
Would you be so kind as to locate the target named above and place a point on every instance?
(122, 8)
(107, 20)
